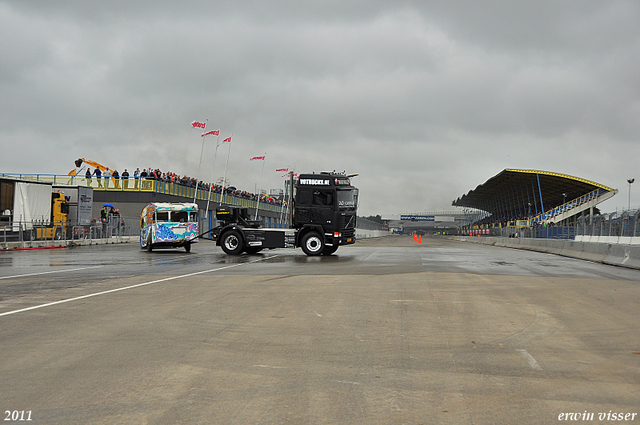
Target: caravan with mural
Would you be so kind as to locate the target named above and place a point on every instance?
(168, 225)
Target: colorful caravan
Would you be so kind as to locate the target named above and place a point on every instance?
(168, 225)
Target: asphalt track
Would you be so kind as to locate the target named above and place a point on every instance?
(387, 331)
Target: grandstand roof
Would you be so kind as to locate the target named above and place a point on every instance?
(512, 191)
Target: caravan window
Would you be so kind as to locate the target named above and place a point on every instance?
(179, 216)
(162, 216)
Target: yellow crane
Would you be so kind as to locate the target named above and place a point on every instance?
(78, 162)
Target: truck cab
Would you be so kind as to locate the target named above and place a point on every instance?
(323, 218)
(325, 205)
(57, 225)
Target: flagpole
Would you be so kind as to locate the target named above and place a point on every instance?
(199, 164)
(224, 179)
(213, 172)
(283, 197)
(260, 189)
(290, 203)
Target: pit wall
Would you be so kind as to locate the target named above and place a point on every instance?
(622, 240)
(616, 254)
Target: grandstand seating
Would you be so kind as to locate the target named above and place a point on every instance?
(575, 206)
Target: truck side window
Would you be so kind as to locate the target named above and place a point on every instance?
(322, 198)
(304, 197)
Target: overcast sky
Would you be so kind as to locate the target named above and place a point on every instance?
(424, 99)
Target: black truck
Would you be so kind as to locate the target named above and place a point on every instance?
(322, 217)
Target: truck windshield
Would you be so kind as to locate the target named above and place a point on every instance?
(347, 198)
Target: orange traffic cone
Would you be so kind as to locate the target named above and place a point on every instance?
(415, 237)
(420, 239)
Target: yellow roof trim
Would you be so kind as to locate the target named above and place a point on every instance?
(566, 176)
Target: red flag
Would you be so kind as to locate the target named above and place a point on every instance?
(198, 124)
(227, 140)
(211, 133)
(262, 158)
(281, 170)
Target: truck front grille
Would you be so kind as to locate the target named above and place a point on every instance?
(348, 225)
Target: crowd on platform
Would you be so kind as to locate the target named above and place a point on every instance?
(171, 177)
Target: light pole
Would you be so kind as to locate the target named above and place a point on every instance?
(630, 181)
(564, 209)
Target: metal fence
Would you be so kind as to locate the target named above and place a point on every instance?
(623, 224)
(618, 224)
(544, 232)
(21, 233)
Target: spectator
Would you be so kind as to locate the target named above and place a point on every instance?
(98, 175)
(88, 176)
(136, 176)
(107, 177)
(125, 179)
(116, 179)
(104, 218)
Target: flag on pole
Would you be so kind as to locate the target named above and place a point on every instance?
(227, 140)
(211, 133)
(198, 124)
(281, 170)
(261, 158)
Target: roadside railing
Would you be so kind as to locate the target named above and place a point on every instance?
(149, 185)
(618, 224)
(20, 233)
(610, 227)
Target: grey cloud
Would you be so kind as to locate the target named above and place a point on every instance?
(424, 99)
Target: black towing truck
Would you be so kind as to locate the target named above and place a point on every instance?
(322, 217)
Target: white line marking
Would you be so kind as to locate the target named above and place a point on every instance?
(348, 382)
(532, 362)
(269, 367)
(130, 287)
(55, 271)
(407, 301)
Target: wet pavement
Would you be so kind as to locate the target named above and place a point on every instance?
(385, 331)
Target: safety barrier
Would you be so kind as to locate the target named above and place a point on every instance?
(367, 233)
(606, 253)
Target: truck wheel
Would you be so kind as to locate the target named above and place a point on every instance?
(232, 242)
(187, 247)
(58, 234)
(312, 243)
(149, 247)
(328, 250)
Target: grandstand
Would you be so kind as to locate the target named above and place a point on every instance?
(533, 197)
